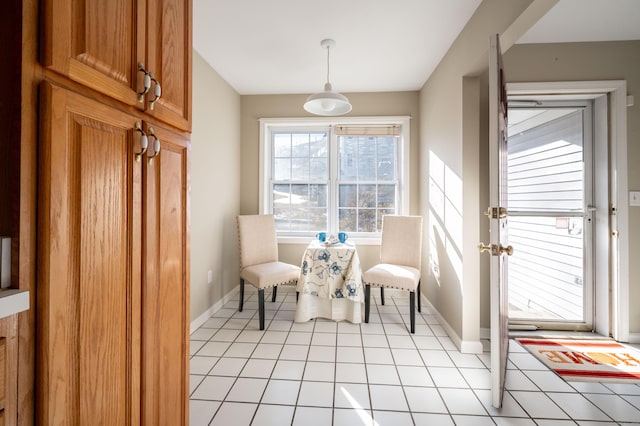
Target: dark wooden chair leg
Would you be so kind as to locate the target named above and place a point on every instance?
(273, 295)
(261, 307)
(412, 310)
(241, 295)
(382, 295)
(419, 294)
(367, 302)
(297, 294)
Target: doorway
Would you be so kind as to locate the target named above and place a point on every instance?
(600, 226)
(551, 213)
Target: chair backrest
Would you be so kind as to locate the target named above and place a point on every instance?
(401, 240)
(258, 241)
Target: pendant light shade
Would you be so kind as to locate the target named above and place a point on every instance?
(328, 102)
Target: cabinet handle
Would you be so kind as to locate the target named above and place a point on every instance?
(147, 82)
(144, 142)
(155, 151)
(157, 92)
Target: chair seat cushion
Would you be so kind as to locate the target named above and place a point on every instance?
(392, 276)
(265, 275)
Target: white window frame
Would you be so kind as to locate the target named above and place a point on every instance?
(267, 125)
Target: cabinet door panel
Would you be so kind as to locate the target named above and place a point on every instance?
(165, 286)
(89, 270)
(9, 370)
(169, 59)
(97, 43)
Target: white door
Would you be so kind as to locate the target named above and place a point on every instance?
(552, 212)
(497, 213)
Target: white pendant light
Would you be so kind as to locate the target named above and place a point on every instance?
(328, 102)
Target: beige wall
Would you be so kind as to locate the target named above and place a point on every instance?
(215, 187)
(277, 106)
(452, 128)
(594, 61)
(446, 108)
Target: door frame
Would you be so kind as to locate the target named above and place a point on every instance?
(611, 309)
(586, 105)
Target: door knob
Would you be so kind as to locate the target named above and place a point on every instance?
(495, 249)
(488, 248)
(496, 212)
(483, 248)
(508, 249)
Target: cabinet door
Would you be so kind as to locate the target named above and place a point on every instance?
(165, 346)
(97, 43)
(89, 263)
(9, 370)
(169, 60)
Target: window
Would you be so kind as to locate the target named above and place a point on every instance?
(320, 175)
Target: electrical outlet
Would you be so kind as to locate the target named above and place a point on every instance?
(209, 277)
(634, 198)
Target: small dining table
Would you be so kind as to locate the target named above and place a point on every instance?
(330, 283)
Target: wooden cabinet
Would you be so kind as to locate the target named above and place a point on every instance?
(112, 291)
(112, 294)
(100, 44)
(89, 269)
(8, 372)
(168, 58)
(165, 298)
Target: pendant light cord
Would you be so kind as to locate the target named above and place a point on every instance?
(328, 47)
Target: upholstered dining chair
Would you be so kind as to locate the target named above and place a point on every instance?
(399, 267)
(259, 265)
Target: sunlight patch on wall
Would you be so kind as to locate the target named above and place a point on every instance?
(445, 218)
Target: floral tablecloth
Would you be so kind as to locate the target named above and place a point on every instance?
(330, 283)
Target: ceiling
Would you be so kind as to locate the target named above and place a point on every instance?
(273, 47)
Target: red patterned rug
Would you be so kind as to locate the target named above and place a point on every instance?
(587, 360)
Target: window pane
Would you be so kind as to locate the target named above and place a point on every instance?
(386, 196)
(366, 158)
(348, 196)
(318, 196)
(546, 166)
(282, 145)
(282, 218)
(300, 195)
(348, 220)
(366, 195)
(318, 145)
(318, 169)
(318, 219)
(386, 170)
(282, 169)
(300, 145)
(386, 147)
(366, 220)
(300, 169)
(348, 157)
(281, 198)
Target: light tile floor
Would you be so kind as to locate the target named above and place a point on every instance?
(322, 373)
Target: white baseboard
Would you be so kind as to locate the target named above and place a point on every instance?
(634, 337)
(196, 323)
(465, 346)
(485, 333)
(471, 347)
